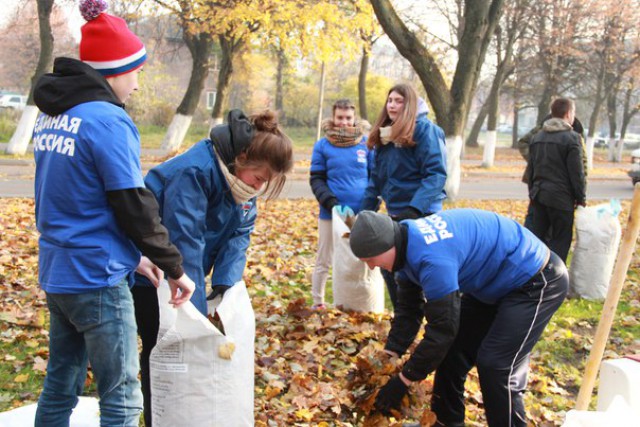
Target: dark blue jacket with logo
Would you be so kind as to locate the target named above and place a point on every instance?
(412, 176)
(211, 231)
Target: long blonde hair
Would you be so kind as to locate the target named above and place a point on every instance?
(271, 146)
(402, 128)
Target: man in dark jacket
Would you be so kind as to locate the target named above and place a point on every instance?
(556, 178)
(487, 288)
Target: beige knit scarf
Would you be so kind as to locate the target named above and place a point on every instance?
(385, 135)
(240, 191)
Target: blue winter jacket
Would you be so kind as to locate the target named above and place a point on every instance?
(211, 231)
(412, 176)
(341, 173)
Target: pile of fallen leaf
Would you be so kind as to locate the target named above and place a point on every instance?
(326, 366)
(313, 368)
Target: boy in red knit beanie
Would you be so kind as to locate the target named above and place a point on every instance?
(98, 223)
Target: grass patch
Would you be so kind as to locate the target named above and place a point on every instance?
(303, 138)
(8, 122)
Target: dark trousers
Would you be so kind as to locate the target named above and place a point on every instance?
(498, 339)
(392, 287)
(145, 300)
(552, 226)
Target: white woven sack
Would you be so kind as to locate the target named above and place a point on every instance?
(355, 286)
(594, 254)
(191, 384)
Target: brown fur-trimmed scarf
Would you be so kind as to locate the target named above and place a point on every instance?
(344, 137)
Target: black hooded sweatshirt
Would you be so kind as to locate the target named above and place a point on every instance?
(136, 209)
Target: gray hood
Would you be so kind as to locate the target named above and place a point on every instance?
(555, 124)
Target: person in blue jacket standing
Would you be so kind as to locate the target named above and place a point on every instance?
(339, 174)
(208, 202)
(487, 288)
(409, 170)
(97, 222)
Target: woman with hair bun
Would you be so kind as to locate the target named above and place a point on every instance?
(207, 199)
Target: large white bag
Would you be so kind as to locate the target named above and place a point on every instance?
(191, 384)
(355, 286)
(594, 254)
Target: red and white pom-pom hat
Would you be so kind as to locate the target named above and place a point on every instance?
(107, 44)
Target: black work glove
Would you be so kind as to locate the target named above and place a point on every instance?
(390, 396)
(217, 290)
(409, 213)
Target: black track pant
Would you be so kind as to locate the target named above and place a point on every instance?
(145, 300)
(497, 339)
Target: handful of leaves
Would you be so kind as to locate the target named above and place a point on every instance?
(374, 367)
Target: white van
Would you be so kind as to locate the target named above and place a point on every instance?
(10, 100)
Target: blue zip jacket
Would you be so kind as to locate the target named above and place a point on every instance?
(410, 177)
(341, 173)
(477, 252)
(204, 222)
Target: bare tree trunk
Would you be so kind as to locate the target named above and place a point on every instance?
(282, 64)
(489, 151)
(593, 119)
(20, 139)
(229, 47)
(516, 124)
(200, 46)
(320, 101)
(550, 89)
(615, 145)
(362, 83)
(474, 133)
(628, 112)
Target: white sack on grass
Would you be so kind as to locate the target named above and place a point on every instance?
(191, 384)
(597, 239)
(85, 414)
(355, 286)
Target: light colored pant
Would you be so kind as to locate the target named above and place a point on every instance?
(323, 260)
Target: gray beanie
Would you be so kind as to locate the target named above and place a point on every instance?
(371, 234)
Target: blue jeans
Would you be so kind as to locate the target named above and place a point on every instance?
(98, 327)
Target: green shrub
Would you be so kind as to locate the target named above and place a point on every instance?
(8, 122)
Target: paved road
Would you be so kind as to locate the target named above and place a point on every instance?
(16, 180)
(491, 188)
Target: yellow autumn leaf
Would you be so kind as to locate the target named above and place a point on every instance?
(22, 378)
(304, 414)
(225, 351)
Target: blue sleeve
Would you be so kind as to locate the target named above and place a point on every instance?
(232, 257)
(371, 158)
(184, 213)
(431, 154)
(370, 201)
(318, 176)
(116, 152)
(318, 160)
